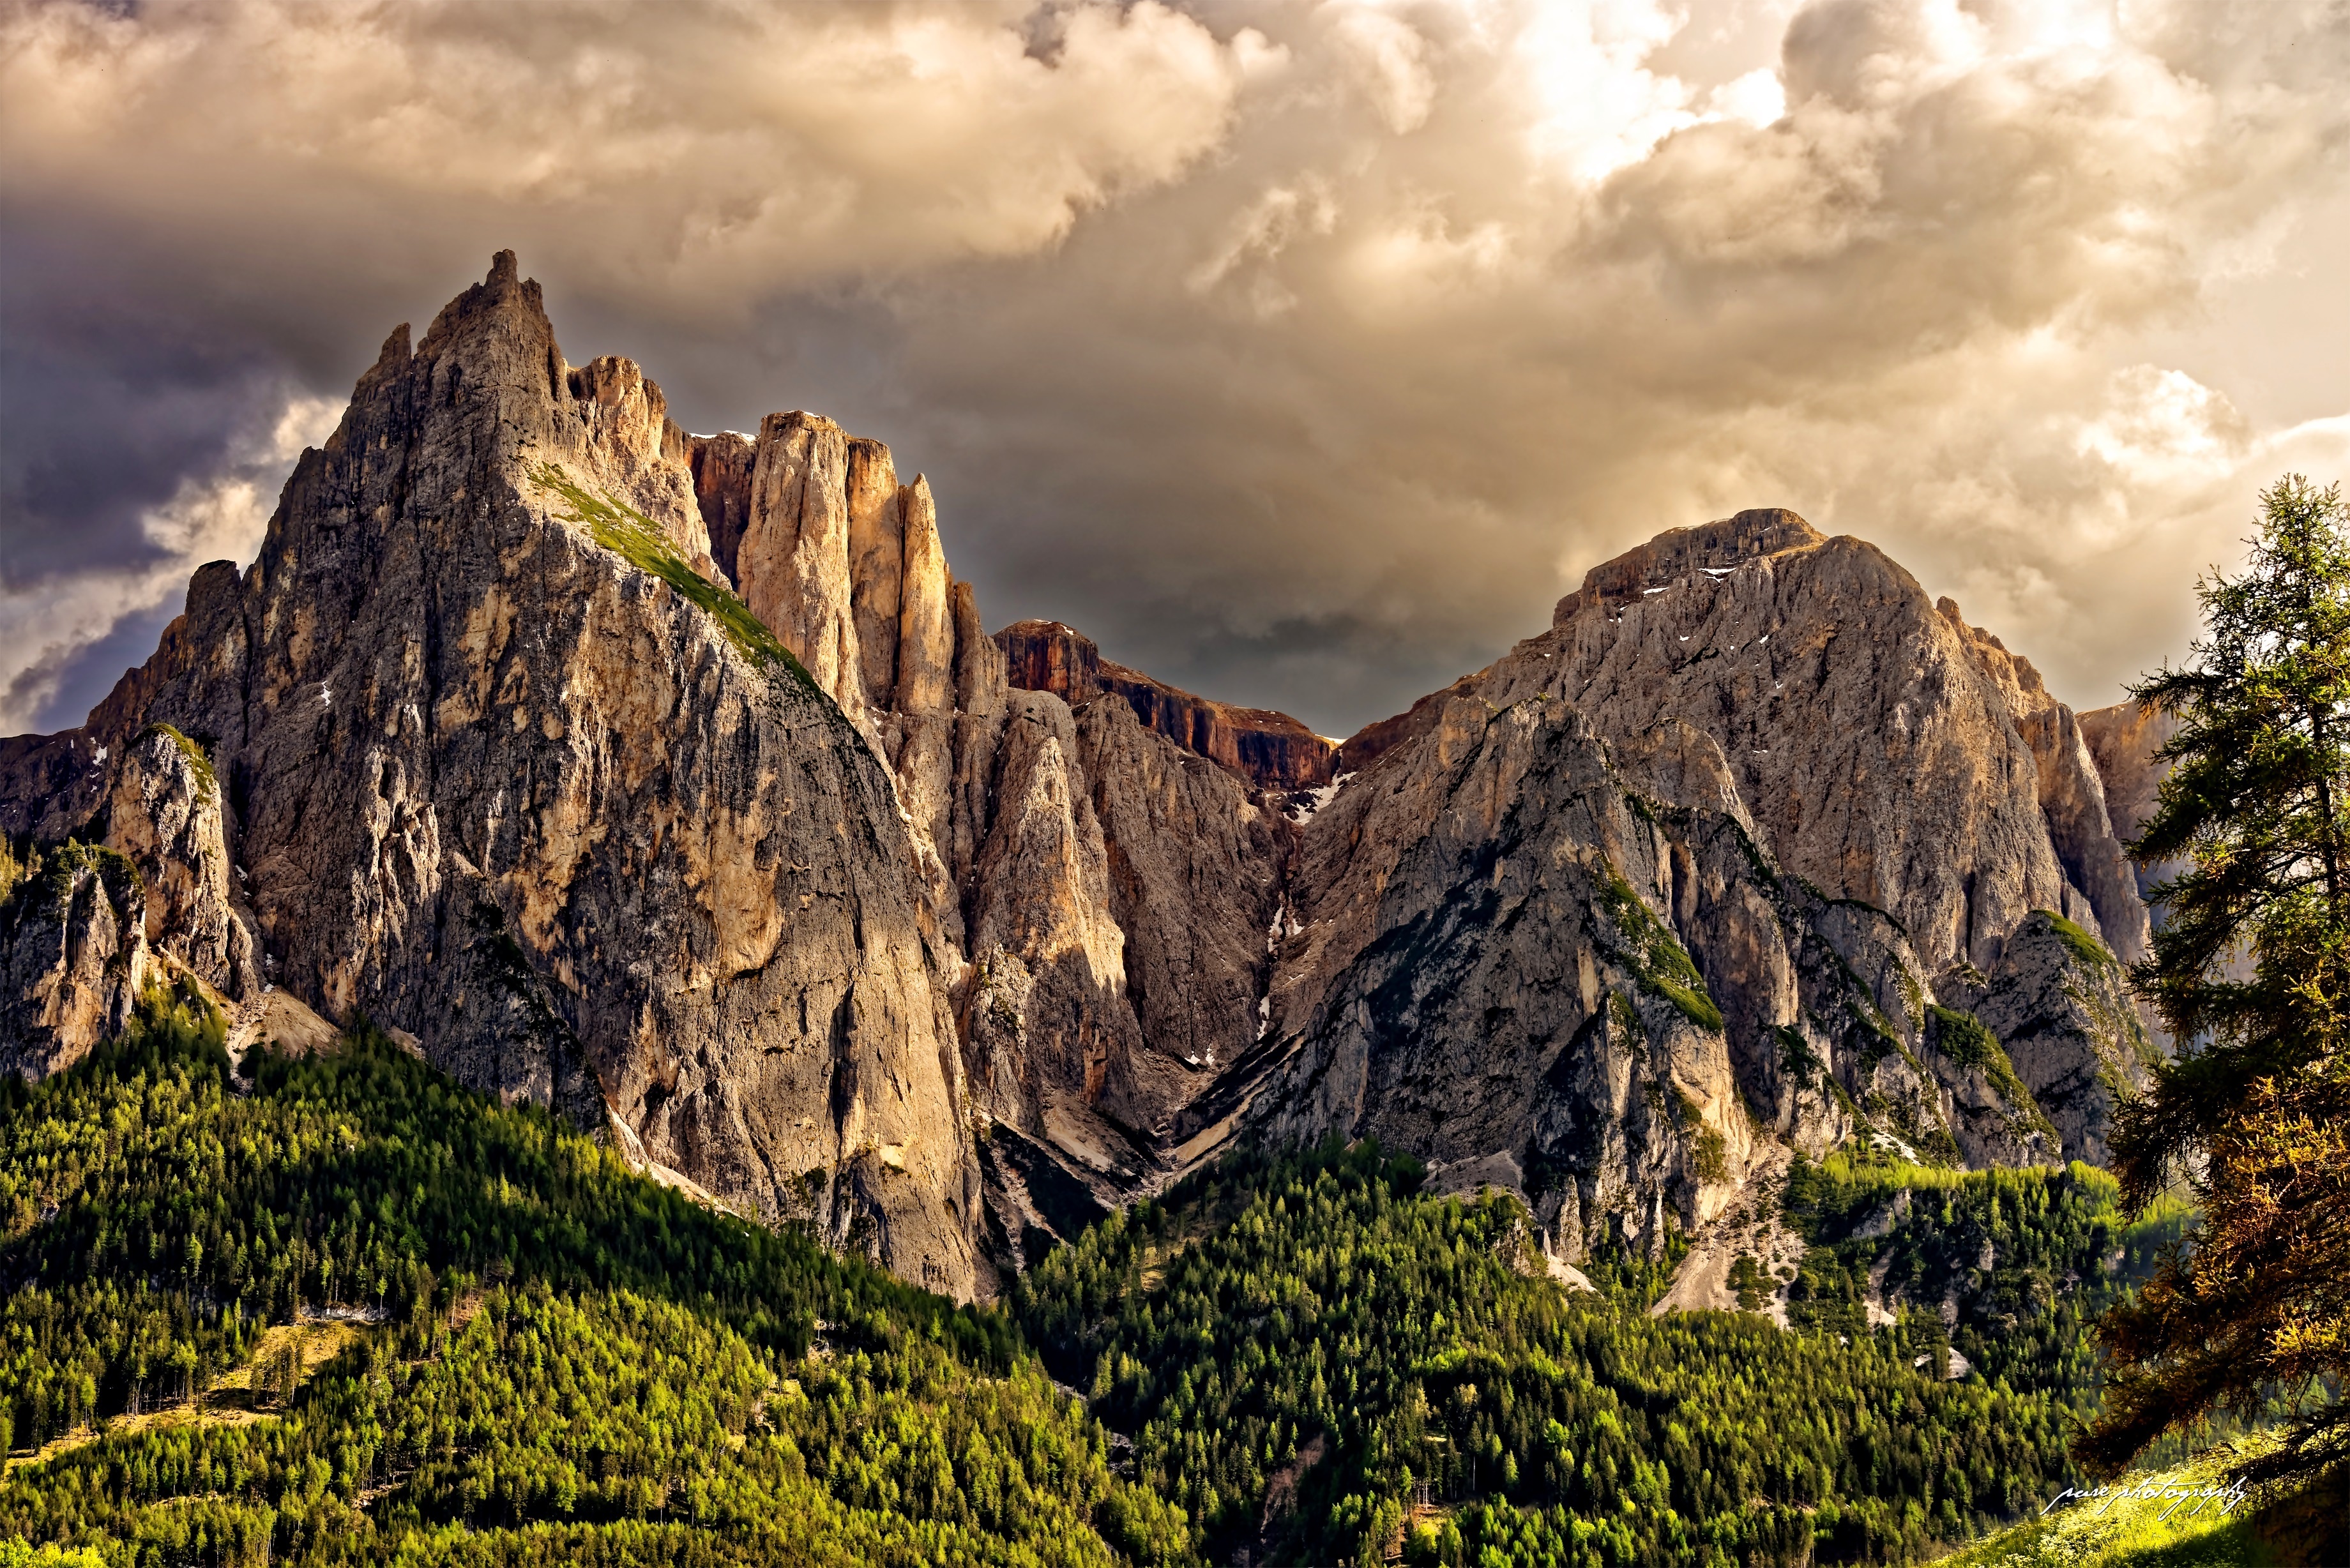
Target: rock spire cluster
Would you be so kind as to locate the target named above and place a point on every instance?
(672, 782)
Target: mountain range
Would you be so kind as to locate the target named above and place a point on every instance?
(671, 783)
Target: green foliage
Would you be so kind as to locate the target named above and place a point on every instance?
(569, 1363)
(1753, 1285)
(1635, 1278)
(1968, 1040)
(2092, 952)
(636, 539)
(2028, 1258)
(1313, 1327)
(2147, 1529)
(21, 1554)
(1709, 1147)
(1656, 956)
(48, 872)
(2257, 801)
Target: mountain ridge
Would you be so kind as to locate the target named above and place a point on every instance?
(941, 943)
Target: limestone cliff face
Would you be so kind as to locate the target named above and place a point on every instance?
(1048, 1015)
(1879, 757)
(2123, 742)
(722, 465)
(165, 815)
(1478, 977)
(1569, 967)
(2061, 1006)
(507, 771)
(1198, 874)
(2072, 792)
(1266, 749)
(1841, 803)
(73, 957)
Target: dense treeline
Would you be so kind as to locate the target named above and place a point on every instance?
(2025, 1260)
(1303, 1356)
(572, 1363)
(154, 1219)
(1313, 1331)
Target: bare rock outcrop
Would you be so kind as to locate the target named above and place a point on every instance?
(52, 787)
(1198, 879)
(721, 466)
(1054, 1047)
(2123, 740)
(1770, 754)
(1268, 750)
(73, 956)
(1485, 973)
(1877, 756)
(2062, 1008)
(165, 815)
(2072, 793)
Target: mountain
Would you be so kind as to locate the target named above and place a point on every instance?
(670, 783)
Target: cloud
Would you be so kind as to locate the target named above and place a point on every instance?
(699, 146)
(44, 626)
(1302, 352)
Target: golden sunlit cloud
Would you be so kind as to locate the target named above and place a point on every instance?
(1302, 352)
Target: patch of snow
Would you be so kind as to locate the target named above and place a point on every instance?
(1315, 799)
(1666, 589)
(101, 754)
(1717, 572)
(326, 694)
(1684, 639)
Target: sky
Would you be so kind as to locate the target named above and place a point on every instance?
(1301, 352)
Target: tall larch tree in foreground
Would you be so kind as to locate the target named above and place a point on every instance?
(2251, 970)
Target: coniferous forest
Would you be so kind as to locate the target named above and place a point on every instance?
(1302, 1356)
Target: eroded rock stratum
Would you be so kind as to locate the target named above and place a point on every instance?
(672, 783)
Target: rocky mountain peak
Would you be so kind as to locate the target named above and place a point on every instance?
(672, 782)
(1675, 552)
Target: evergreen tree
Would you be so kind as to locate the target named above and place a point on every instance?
(2251, 969)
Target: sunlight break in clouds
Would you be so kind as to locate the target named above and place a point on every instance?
(219, 517)
(1305, 352)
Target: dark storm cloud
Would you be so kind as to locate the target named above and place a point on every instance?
(1301, 352)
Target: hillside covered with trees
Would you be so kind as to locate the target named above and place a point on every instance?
(1307, 1357)
(560, 1361)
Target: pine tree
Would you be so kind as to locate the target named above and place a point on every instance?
(2251, 970)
